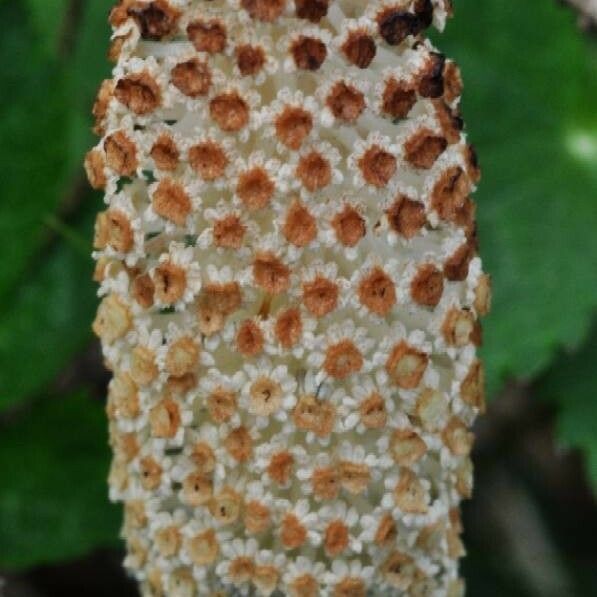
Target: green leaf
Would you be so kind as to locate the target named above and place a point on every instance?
(55, 504)
(570, 384)
(45, 293)
(33, 126)
(45, 119)
(47, 19)
(48, 318)
(530, 86)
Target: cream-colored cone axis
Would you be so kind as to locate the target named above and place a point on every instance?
(290, 296)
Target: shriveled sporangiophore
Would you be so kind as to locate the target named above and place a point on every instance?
(290, 296)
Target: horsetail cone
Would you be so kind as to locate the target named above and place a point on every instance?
(290, 296)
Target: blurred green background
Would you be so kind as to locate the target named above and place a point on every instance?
(530, 104)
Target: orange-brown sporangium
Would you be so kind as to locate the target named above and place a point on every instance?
(292, 126)
(427, 285)
(349, 226)
(386, 532)
(143, 290)
(164, 418)
(215, 303)
(264, 10)
(171, 201)
(312, 414)
(165, 153)
(100, 106)
(230, 111)
(458, 327)
(170, 282)
(239, 444)
(255, 188)
(207, 36)
(456, 267)
(121, 153)
(203, 457)
(472, 163)
(151, 472)
(354, 476)
(126, 445)
(398, 99)
(304, 586)
(168, 541)
(249, 338)
(300, 226)
(193, 77)
(292, 533)
(309, 53)
(406, 217)
(452, 82)
(406, 447)
(241, 569)
(113, 319)
(431, 409)
(280, 467)
(473, 385)
(266, 579)
(345, 101)
(350, 587)
(342, 359)
(410, 495)
(450, 191)
(94, 168)
(406, 365)
(395, 24)
(359, 48)
(457, 437)
(203, 548)
(398, 570)
(336, 538)
(314, 171)
(377, 166)
(119, 231)
(249, 59)
(320, 296)
(139, 92)
(270, 273)
(422, 149)
(229, 231)
(221, 405)
(101, 231)
(431, 79)
(116, 46)
(155, 19)
(265, 396)
(182, 356)
(373, 412)
(208, 159)
(326, 483)
(226, 506)
(123, 396)
(312, 10)
(449, 121)
(179, 386)
(181, 580)
(482, 302)
(256, 517)
(288, 327)
(377, 292)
